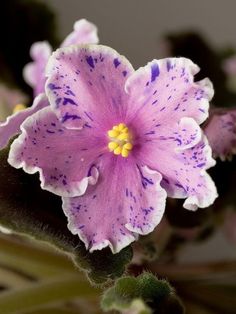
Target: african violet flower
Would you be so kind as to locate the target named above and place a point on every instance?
(34, 72)
(84, 32)
(220, 130)
(114, 142)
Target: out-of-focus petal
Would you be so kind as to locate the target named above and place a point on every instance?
(84, 32)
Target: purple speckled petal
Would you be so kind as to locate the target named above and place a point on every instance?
(164, 91)
(85, 86)
(127, 200)
(34, 72)
(221, 133)
(11, 126)
(84, 33)
(172, 137)
(64, 158)
(183, 170)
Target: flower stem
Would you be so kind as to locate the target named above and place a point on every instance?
(68, 287)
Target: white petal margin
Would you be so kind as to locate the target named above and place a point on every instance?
(132, 230)
(160, 201)
(193, 202)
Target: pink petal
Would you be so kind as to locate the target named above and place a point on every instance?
(34, 72)
(11, 126)
(183, 170)
(85, 86)
(84, 33)
(64, 158)
(126, 201)
(221, 133)
(164, 91)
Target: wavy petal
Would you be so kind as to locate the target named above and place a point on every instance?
(64, 158)
(221, 133)
(85, 85)
(183, 170)
(11, 126)
(164, 91)
(126, 201)
(84, 33)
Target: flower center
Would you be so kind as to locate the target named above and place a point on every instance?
(120, 140)
(18, 107)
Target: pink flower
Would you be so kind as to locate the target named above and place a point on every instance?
(34, 72)
(220, 130)
(115, 142)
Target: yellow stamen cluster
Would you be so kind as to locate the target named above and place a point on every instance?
(18, 107)
(120, 140)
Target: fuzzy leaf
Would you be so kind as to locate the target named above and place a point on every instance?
(143, 294)
(27, 209)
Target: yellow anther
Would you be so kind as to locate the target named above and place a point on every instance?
(113, 133)
(123, 136)
(113, 145)
(118, 150)
(120, 139)
(128, 146)
(121, 126)
(125, 152)
(18, 107)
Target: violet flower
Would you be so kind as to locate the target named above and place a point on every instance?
(220, 130)
(115, 142)
(34, 72)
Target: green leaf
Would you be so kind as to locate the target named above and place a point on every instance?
(26, 208)
(143, 294)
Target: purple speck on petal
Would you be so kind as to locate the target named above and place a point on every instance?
(124, 73)
(58, 100)
(53, 86)
(69, 101)
(155, 71)
(168, 65)
(68, 116)
(90, 61)
(116, 62)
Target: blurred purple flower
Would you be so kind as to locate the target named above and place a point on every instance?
(220, 130)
